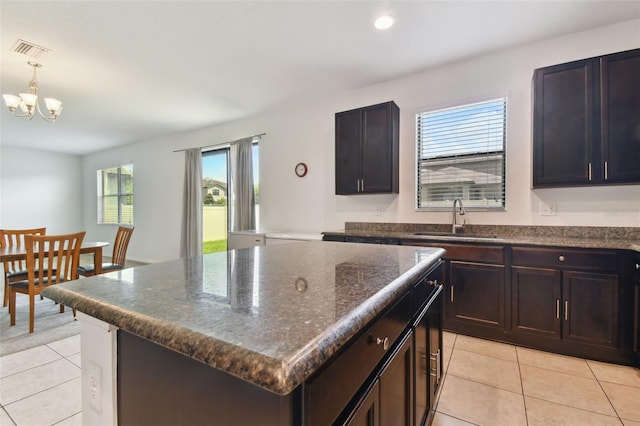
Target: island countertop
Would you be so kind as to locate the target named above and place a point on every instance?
(270, 315)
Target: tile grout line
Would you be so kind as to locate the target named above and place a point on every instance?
(605, 393)
(13, 422)
(43, 390)
(34, 367)
(524, 399)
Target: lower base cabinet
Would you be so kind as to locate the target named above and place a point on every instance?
(559, 301)
(636, 307)
(429, 360)
(389, 401)
(476, 294)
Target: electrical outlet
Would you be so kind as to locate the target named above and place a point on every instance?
(547, 209)
(94, 386)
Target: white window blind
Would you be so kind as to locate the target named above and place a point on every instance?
(461, 154)
(115, 195)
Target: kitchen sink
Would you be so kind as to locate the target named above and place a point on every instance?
(449, 234)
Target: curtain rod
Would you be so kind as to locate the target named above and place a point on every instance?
(219, 144)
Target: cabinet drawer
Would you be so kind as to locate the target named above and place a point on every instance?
(325, 400)
(468, 252)
(422, 291)
(565, 258)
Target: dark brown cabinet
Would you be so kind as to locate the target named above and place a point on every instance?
(620, 116)
(558, 296)
(428, 353)
(367, 149)
(586, 122)
(636, 306)
(390, 400)
(476, 294)
(368, 411)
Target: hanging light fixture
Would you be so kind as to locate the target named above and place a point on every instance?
(28, 102)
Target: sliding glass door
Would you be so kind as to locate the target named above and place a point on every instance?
(216, 198)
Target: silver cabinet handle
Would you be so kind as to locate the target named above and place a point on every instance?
(558, 308)
(561, 258)
(589, 171)
(362, 180)
(606, 170)
(384, 342)
(566, 310)
(452, 293)
(637, 266)
(433, 283)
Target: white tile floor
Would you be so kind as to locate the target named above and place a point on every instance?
(41, 386)
(487, 383)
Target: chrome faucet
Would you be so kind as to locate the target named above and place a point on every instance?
(455, 228)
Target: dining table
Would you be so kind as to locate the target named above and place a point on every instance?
(20, 252)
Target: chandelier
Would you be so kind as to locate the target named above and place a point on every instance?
(28, 102)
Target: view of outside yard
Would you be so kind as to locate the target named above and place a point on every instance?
(215, 195)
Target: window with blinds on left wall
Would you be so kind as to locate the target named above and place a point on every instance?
(115, 195)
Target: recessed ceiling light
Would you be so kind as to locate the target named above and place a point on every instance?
(384, 22)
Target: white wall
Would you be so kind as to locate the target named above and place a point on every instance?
(306, 133)
(39, 188)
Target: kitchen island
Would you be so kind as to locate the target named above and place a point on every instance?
(282, 335)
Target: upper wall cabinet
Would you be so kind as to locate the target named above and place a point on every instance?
(367, 150)
(586, 122)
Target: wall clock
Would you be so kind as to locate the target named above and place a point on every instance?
(301, 169)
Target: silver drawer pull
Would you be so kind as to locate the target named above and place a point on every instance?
(637, 266)
(558, 308)
(561, 258)
(566, 310)
(432, 282)
(384, 342)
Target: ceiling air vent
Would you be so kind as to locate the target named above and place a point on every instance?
(29, 49)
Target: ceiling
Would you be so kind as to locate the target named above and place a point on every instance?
(128, 71)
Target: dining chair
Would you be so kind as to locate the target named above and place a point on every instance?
(118, 258)
(51, 260)
(15, 270)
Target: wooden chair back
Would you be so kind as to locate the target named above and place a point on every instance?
(15, 238)
(51, 259)
(121, 244)
(61, 253)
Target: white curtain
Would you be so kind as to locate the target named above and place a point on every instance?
(191, 244)
(243, 211)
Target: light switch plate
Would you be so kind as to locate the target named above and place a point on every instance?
(547, 209)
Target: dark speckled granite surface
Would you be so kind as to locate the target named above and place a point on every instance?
(270, 315)
(624, 238)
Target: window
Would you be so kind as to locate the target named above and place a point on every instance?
(115, 195)
(461, 154)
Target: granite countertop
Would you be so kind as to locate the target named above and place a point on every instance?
(620, 238)
(270, 315)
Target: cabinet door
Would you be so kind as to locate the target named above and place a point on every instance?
(536, 301)
(590, 308)
(348, 151)
(620, 131)
(436, 356)
(368, 412)
(476, 294)
(380, 148)
(396, 387)
(636, 316)
(564, 101)
(428, 361)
